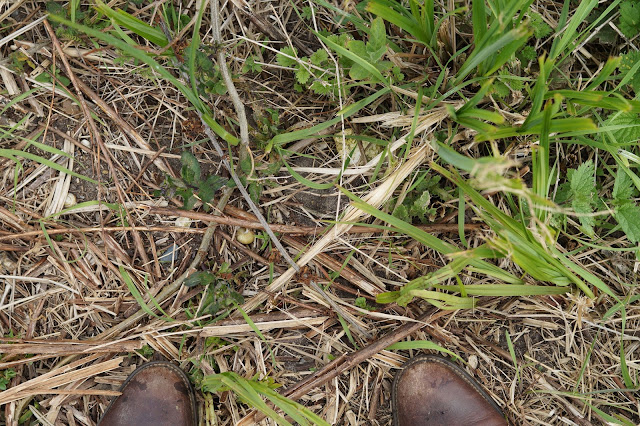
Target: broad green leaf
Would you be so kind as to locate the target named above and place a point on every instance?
(209, 186)
(319, 56)
(582, 206)
(377, 39)
(628, 216)
(199, 278)
(190, 170)
(302, 74)
(356, 58)
(630, 18)
(582, 180)
(623, 186)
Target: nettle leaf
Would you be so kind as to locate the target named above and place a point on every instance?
(582, 180)
(285, 61)
(302, 74)
(627, 62)
(200, 278)
(319, 57)
(563, 194)
(582, 205)
(582, 186)
(623, 186)
(190, 171)
(628, 216)
(625, 135)
(420, 206)
(629, 18)
(208, 188)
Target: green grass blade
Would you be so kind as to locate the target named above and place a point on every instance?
(401, 21)
(478, 19)
(420, 344)
(136, 295)
(487, 53)
(12, 153)
(506, 290)
(144, 30)
(582, 11)
(348, 111)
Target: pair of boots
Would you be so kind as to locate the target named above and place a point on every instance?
(429, 390)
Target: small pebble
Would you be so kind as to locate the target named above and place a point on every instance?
(245, 236)
(473, 362)
(183, 222)
(170, 254)
(70, 200)
(86, 142)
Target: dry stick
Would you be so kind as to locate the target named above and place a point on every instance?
(228, 82)
(98, 139)
(346, 362)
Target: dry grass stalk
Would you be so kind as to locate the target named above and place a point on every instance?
(20, 346)
(57, 377)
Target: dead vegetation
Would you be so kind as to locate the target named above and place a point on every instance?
(73, 329)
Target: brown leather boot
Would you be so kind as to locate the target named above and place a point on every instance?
(156, 394)
(430, 390)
